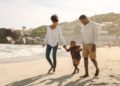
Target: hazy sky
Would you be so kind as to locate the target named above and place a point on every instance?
(33, 13)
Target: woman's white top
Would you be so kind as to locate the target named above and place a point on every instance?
(52, 36)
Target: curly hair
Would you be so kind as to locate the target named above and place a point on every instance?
(54, 18)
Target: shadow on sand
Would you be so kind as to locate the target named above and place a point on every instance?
(27, 81)
(78, 83)
(60, 81)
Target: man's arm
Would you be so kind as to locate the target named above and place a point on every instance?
(82, 36)
(96, 37)
(96, 33)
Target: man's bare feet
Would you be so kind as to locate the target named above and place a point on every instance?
(74, 73)
(97, 72)
(77, 70)
(86, 75)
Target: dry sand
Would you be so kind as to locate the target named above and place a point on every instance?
(34, 72)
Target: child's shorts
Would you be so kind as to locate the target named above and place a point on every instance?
(76, 62)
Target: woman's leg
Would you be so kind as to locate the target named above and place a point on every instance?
(48, 50)
(54, 55)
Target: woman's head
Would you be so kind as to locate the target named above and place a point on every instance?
(54, 19)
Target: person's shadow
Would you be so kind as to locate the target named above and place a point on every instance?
(76, 83)
(60, 80)
(28, 81)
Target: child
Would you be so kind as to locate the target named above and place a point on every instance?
(75, 53)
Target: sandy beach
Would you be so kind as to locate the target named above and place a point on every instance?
(33, 72)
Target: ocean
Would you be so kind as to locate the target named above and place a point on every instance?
(8, 51)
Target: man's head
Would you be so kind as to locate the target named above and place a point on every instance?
(72, 43)
(83, 19)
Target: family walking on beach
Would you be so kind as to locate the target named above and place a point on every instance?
(88, 42)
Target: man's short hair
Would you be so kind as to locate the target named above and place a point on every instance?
(82, 17)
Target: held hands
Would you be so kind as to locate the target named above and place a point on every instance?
(43, 45)
(64, 46)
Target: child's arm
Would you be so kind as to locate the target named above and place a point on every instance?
(78, 49)
(66, 49)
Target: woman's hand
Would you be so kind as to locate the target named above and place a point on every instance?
(64, 46)
(43, 45)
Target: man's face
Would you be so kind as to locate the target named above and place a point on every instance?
(83, 21)
(72, 44)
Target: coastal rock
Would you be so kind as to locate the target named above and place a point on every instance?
(7, 40)
(26, 35)
(21, 41)
(3, 33)
(9, 35)
(37, 38)
(28, 40)
(34, 41)
(17, 34)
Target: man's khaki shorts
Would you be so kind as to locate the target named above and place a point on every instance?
(87, 51)
(76, 62)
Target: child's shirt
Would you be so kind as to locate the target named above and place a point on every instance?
(74, 54)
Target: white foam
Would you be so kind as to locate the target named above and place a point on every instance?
(13, 51)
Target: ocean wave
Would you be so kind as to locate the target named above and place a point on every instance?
(13, 51)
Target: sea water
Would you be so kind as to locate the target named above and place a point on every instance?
(14, 51)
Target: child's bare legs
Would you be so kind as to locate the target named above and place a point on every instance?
(76, 68)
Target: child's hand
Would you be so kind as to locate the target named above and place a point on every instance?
(78, 49)
(64, 47)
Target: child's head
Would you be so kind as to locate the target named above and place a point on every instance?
(72, 43)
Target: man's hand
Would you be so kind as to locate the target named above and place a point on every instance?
(43, 45)
(94, 48)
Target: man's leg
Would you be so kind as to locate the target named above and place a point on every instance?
(86, 67)
(93, 58)
(96, 66)
(85, 54)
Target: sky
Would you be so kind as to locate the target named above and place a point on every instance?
(34, 13)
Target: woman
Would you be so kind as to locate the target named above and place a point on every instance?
(52, 41)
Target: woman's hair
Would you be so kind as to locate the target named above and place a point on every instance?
(54, 18)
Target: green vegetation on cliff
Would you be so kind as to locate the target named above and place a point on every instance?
(40, 30)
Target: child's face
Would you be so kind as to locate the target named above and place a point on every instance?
(72, 44)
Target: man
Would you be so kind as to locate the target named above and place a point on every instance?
(88, 39)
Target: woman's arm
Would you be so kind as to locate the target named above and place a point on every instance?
(66, 49)
(46, 37)
(61, 36)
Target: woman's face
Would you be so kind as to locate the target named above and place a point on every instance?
(55, 24)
